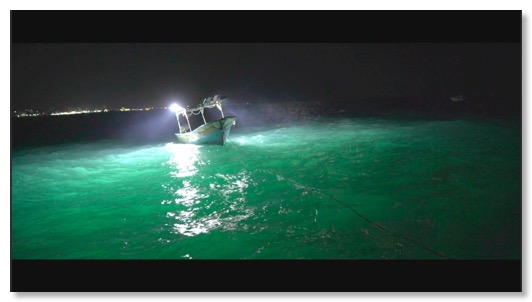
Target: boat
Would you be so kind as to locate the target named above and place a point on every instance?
(209, 133)
(458, 98)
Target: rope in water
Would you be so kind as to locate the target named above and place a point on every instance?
(382, 228)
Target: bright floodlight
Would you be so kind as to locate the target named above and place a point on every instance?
(176, 108)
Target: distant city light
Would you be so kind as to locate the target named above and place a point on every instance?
(32, 112)
(76, 112)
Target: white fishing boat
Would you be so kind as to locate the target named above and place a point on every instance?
(213, 133)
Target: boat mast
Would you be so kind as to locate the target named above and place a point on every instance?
(178, 123)
(183, 112)
(218, 103)
(220, 107)
(186, 116)
(203, 116)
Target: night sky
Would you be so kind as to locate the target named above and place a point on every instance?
(61, 75)
(153, 59)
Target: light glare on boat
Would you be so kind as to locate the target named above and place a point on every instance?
(176, 108)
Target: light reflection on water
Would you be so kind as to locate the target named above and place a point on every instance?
(203, 203)
(184, 158)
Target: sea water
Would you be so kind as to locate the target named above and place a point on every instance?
(321, 188)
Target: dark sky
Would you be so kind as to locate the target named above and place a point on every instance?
(153, 74)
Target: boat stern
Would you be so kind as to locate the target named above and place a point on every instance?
(228, 123)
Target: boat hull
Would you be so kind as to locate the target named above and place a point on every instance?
(213, 133)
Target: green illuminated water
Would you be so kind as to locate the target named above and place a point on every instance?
(291, 191)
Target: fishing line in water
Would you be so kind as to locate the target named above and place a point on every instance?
(382, 228)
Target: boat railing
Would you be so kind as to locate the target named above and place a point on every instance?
(209, 102)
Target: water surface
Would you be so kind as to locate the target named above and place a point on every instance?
(322, 188)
